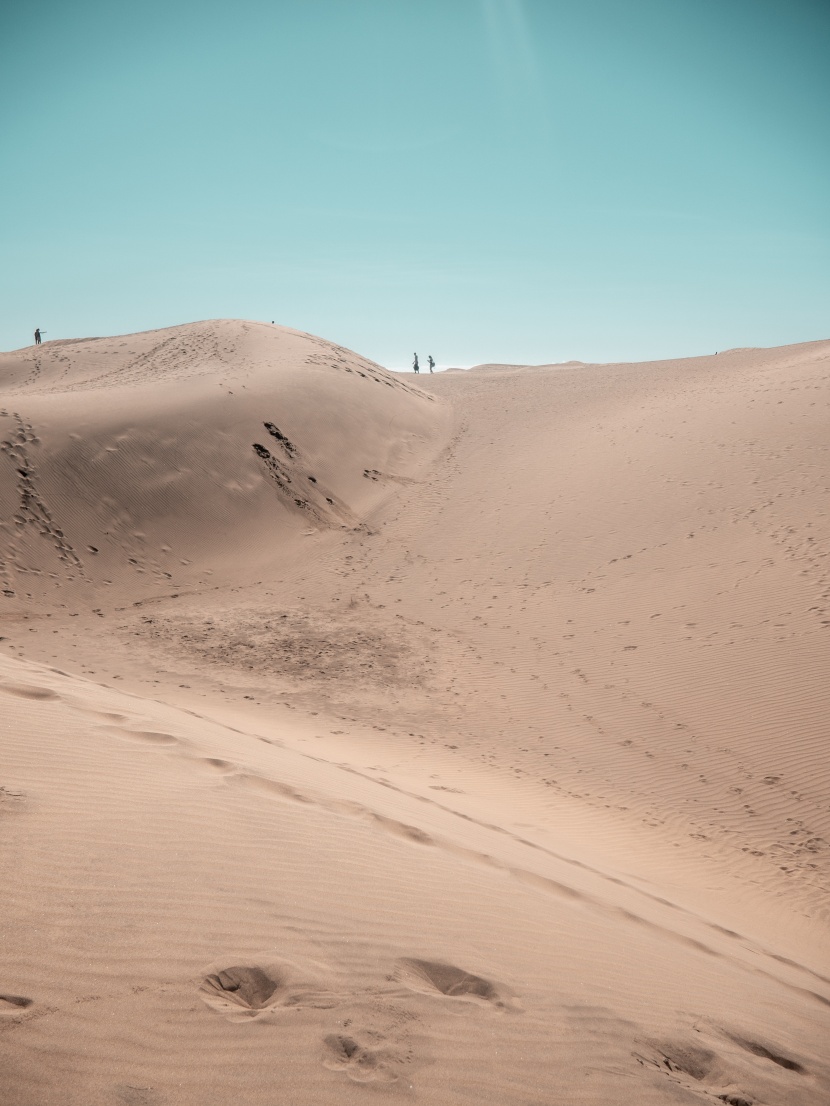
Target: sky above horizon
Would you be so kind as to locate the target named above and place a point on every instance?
(483, 180)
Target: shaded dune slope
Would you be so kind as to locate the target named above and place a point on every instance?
(132, 462)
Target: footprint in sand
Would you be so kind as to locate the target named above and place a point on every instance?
(401, 829)
(11, 800)
(147, 737)
(271, 787)
(249, 988)
(432, 977)
(129, 1095)
(704, 1071)
(360, 1063)
(218, 764)
(25, 691)
(13, 1004)
(243, 991)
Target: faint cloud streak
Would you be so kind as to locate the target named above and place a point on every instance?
(511, 48)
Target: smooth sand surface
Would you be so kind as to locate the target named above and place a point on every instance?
(457, 739)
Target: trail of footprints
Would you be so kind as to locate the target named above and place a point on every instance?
(262, 990)
(702, 1070)
(32, 513)
(376, 1050)
(285, 467)
(179, 357)
(234, 775)
(341, 359)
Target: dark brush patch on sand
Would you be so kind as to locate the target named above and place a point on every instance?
(294, 645)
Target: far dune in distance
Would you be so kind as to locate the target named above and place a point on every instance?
(459, 738)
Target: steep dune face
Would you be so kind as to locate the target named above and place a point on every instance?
(154, 459)
(462, 738)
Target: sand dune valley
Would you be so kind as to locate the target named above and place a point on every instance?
(373, 738)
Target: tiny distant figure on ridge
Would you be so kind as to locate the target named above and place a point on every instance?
(37, 337)
(415, 364)
(431, 364)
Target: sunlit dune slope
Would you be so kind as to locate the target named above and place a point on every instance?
(648, 592)
(461, 739)
(197, 916)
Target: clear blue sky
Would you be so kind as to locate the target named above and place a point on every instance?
(479, 179)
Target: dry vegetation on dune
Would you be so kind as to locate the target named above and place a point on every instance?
(460, 739)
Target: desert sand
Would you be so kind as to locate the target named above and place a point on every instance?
(452, 739)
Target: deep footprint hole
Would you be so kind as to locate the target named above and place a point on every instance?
(692, 1061)
(250, 987)
(344, 1048)
(15, 1002)
(451, 981)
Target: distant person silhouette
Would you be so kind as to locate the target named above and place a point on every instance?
(431, 363)
(415, 364)
(37, 337)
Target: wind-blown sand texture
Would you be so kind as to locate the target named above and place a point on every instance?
(459, 739)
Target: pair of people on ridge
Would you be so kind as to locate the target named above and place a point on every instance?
(417, 367)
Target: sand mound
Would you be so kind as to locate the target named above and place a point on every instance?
(462, 739)
(156, 459)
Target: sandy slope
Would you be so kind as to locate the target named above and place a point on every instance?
(488, 765)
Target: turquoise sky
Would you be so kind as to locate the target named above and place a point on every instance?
(477, 179)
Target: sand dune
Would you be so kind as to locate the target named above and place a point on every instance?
(121, 438)
(455, 739)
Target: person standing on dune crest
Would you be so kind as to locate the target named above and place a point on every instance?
(415, 364)
(37, 336)
(431, 364)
